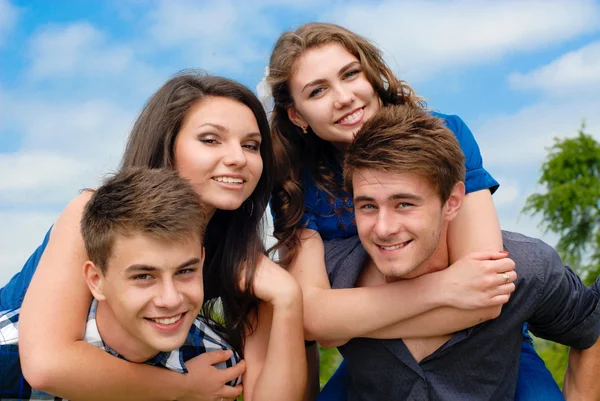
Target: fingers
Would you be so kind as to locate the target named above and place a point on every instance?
(499, 265)
(487, 255)
(506, 277)
(214, 357)
(230, 393)
(232, 373)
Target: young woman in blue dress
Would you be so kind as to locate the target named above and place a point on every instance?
(326, 81)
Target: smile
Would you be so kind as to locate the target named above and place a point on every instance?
(352, 118)
(167, 320)
(229, 180)
(394, 247)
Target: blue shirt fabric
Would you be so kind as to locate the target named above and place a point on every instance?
(11, 295)
(334, 217)
(202, 337)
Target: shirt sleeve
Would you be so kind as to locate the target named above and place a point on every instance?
(567, 311)
(309, 218)
(477, 177)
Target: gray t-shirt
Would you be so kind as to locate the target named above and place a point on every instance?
(482, 362)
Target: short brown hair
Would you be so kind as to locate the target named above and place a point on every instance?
(404, 139)
(154, 202)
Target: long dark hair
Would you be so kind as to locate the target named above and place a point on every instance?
(233, 240)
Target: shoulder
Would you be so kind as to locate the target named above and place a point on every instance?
(531, 255)
(344, 259)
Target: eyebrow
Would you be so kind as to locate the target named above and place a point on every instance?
(398, 196)
(149, 268)
(321, 80)
(221, 128)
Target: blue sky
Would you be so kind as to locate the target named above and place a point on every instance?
(74, 74)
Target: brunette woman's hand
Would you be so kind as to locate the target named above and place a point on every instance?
(204, 382)
(479, 280)
(275, 285)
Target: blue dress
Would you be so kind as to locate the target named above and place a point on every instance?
(334, 218)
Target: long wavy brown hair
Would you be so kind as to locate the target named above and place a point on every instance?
(233, 240)
(297, 153)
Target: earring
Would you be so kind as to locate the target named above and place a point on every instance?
(304, 131)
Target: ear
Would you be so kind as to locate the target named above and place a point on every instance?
(296, 118)
(94, 279)
(454, 202)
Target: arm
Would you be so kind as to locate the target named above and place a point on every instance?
(274, 352)
(58, 301)
(471, 284)
(581, 378)
(475, 228)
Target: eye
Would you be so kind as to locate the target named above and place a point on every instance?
(368, 206)
(253, 146)
(404, 205)
(142, 277)
(316, 92)
(187, 271)
(352, 73)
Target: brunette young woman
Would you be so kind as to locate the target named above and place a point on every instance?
(326, 81)
(186, 125)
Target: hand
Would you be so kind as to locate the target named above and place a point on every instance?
(204, 382)
(274, 285)
(479, 280)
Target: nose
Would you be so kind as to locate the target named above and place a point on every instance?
(235, 156)
(169, 296)
(385, 226)
(344, 97)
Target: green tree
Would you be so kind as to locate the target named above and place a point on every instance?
(570, 205)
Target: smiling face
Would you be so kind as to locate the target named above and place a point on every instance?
(331, 94)
(402, 222)
(149, 296)
(218, 150)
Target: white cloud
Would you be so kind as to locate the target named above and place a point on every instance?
(218, 35)
(76, 48)
(9, 15)
(34, 178)
(508, 193)
(576, 71)
(521, 139)
(20, 235)
(430, 36)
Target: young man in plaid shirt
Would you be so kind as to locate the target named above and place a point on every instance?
(143, 231)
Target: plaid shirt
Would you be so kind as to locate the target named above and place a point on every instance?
(13, 386)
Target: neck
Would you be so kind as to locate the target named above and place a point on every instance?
(114, 336)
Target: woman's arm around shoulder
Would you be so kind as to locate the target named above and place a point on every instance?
(58, 302)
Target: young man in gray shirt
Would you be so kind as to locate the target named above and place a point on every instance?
(405, 171)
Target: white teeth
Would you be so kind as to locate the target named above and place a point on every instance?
(169, 320)
(391, 248)
(351, 117)
(229, 180)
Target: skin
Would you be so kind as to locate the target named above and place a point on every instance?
(64, 365)
(147, 279)
(327, 86)
(581, 378)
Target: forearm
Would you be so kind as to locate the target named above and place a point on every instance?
(283, 376)
(437, 322)
(332, 314)
(83, 372)
(581, 378)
